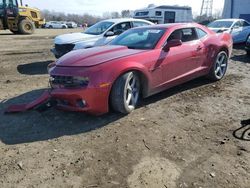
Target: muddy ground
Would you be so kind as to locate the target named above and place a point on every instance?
(194, 135)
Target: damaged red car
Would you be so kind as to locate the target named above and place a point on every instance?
(139, 63)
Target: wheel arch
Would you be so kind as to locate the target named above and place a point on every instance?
(224, 48)
(144, 80)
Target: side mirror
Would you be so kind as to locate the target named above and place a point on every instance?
(109, 34)
(171, 44)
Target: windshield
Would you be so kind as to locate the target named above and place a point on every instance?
(1, 3)
(98, 28)
(141, 38)
(221, 24)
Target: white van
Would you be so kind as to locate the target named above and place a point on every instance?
(165, 14)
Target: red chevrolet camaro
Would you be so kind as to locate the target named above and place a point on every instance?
(139, 63)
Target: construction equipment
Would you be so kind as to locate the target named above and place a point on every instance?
(19, 19)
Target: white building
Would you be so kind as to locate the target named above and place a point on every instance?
(165, 14)
(237, 9)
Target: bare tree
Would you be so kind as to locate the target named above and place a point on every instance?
(126, 14)
(115, 15)
(79, 19)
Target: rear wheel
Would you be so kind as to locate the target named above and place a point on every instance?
(26, 27)
(219, 68)
(125, 93)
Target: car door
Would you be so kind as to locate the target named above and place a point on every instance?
(245, 31)
(184, 60)
(57, 25)
(237, 32)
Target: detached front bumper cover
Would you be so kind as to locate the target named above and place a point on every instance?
(44, 101)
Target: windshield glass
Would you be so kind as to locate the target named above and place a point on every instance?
(221, 24)
(1, 3)
(141, 38)
(98, 28)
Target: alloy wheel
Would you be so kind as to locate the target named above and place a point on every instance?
(221, 65)
(132, 91)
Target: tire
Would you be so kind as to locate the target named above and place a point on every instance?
(219, 67)
(125, 93)
(64, 27)
(50, 27)
(248, 53)
(26, 27)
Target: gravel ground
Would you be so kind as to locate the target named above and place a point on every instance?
(194, 135)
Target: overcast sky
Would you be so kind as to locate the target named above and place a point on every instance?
(97, 7)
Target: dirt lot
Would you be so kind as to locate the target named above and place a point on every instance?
(194, 135)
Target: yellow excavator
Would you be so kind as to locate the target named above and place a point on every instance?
(19, 19)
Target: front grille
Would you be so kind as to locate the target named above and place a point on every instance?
(64, 48)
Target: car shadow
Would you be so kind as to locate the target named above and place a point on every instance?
(177, 89)
(243, 133)
(244, 58)
(34, 68)
(32, 126)
(240, 46)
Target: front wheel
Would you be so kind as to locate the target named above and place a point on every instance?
(26, 27)
(125, 93)
(219, 68)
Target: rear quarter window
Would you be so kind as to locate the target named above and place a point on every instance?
(140, 24)
(201, 33)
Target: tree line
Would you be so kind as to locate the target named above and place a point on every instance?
(92, 19)
(85, 18)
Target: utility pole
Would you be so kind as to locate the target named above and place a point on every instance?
(207, 8)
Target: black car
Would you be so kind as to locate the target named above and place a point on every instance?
(248, 46)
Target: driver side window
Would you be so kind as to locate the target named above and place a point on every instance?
(185, 35)
(120, 28)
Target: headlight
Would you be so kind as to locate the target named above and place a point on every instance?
(51, 66)
(81, 81)
(69, 81)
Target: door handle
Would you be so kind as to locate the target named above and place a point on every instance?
(199, 48)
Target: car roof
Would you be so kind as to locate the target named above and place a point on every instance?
(230, 19)
(172, 25)
(118, 20)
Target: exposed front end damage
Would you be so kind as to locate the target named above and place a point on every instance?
(43, 101)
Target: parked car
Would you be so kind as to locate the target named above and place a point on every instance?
(248, 46)
(238, 28)
(71, 24)
(56, 25)
(138, 63)
(97, 35)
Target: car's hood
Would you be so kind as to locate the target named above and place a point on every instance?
(95, 56)
(219, 30)
(73, 37)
